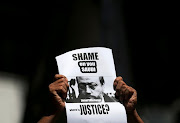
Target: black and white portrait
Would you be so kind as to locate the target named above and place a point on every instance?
(90, 89)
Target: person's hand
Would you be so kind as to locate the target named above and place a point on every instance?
(126, 94)
(59, 89)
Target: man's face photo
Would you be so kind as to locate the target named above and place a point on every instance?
(90, 87)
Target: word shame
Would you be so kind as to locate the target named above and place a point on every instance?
(85, 56)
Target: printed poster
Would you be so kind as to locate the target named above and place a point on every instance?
(91, 73)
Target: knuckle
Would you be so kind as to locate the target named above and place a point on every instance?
(129, 88)
(134, 100)
(60, 88)
(124, 87)
(119, 78)
(50, 87)
(64, 76)
(121, 93)
(123, 83)
(67, 85)
(66, 79)
(56, 75)
(132, 89)
(114, 85)
(66, 91)
(118, 88)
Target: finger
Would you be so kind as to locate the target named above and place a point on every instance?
(62, 91)
(118, 78)
(61, 80)
(59, 99)
(114, 85)
(121, 99)
(122, 93)
(54, 87)
(119, 86)
(66, 82)
(116, 82)
(133, 97)
(60, 88)
(65, 85)
(59, 76)
(116, 96)
(127, 94)
(130, 104)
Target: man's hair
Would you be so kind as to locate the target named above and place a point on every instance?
(101, 79)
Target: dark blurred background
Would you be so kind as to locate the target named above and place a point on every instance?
(34, 32)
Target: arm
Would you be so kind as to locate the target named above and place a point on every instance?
(134, 117)
(58, 90)
(128, 97)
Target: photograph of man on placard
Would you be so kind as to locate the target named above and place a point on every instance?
(91, 89)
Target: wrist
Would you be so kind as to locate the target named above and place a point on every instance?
(132, 112)
(60, 110)
(133, 117)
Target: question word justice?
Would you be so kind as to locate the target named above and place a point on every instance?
(94, 109)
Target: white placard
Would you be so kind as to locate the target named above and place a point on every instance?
(91, 73)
